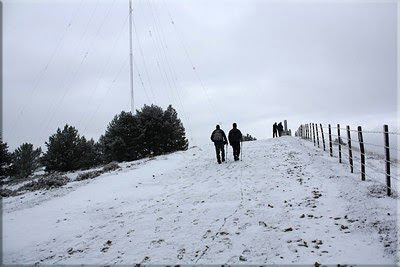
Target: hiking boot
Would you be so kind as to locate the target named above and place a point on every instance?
(219, 161)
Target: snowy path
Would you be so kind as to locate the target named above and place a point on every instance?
(286, 202)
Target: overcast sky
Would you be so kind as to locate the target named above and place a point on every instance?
(256, 62)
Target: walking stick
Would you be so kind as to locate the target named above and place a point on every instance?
(241, 150)
(226, 152)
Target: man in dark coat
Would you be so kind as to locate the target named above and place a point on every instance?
(275, 130)
(219, 138)
(280, 129)
(235, 137)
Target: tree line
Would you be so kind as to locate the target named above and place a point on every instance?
(151, 131)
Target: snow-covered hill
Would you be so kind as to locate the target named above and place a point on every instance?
(286, 202)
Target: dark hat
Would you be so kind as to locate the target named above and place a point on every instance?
(217, 126)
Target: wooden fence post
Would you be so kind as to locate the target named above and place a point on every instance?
(340, 143)
(350, 148)
(322, 136)
(387, 153)
(330, 140)
(316, 129)
(362, 152)
(313, 131)
(306, 126)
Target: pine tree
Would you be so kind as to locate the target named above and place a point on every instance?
(5, 160)
(151, 120)
(176, 139)
(63, 150)
(121, 139)
(89, 153)
(26, 160)
(152, 131)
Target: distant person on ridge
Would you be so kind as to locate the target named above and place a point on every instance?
(219, 138)
(280, 129)
(235, 137)
(275, 130)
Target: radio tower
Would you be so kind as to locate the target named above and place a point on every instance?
(131, 55)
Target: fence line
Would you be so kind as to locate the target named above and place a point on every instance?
(310, 132)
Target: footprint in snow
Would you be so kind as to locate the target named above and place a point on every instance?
(181, 253)
(106, 246)
(227, 242)
(145, 259)
(246, 251)
(261, 223)
(244, 226)
(207, 234)
(157, 243)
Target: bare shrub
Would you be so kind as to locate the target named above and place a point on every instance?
(112, 166)
(7, 193)
(88, 175)
(47, 182)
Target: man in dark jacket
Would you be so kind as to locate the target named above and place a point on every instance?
(280, 129)
(235, 137)
(275, 130)
(219, 138)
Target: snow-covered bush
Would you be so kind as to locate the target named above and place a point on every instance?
(7, 192)
(88, 175)
(47, 182)
(93, 174)
(111, 167)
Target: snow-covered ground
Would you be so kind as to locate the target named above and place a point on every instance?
(286, 202)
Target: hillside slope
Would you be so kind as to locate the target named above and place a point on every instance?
(286, 202)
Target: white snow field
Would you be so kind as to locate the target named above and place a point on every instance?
(286, 202)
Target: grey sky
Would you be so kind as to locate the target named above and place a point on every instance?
(259, 62)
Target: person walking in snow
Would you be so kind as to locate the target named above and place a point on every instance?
(235, 137)
(280, 129)
(219, 138)
(275, 130)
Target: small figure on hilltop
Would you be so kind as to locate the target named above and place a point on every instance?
(248, 137)
(280, 129)
(235, 137)
(219, 138)
(275, 130)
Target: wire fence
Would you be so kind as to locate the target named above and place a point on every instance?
(349, 147)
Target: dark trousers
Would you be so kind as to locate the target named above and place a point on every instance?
(274, 133)
(236, 150)
(220, 149)
(280, 133)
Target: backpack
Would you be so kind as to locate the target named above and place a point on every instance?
(217, 136)
(235, 135)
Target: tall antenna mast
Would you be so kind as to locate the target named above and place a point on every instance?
(131, 54)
